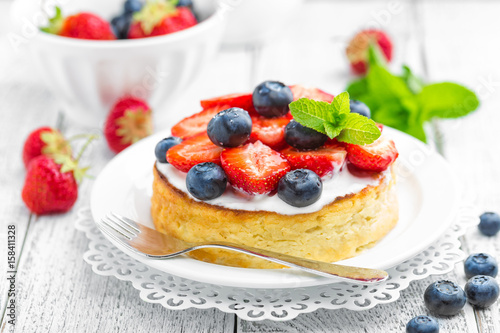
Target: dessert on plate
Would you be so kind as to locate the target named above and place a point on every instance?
(286, 168)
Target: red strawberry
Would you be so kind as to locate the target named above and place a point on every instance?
(254, 168)
(243, 101)
(82, 26)
(197, 123)
(376, 156)
(380, 127)
(269, 131)
(49, 187)
(44, 141)
(311, 93)
(323, 161)
(128, 121)
(357, 50)
(194, 150)
(158, 18)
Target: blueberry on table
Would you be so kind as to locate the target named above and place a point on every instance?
(230, 128)
(121, 24)
(206, 181)
(163, 146)
(444, 298)
(132, 6)
(480, 264)
(482, 291)
(422, 324)
(489, 224)
(185, 3)
(359, 108)
(303, 138)
(300, 188)
(271, 99)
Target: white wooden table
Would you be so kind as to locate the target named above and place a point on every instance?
(442, 40)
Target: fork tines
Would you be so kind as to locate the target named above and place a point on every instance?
(119, 226)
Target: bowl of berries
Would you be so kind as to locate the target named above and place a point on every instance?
(92, 52)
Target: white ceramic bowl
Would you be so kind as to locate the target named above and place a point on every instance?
(89, 76)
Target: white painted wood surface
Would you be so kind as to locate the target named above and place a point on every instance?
(57, 291)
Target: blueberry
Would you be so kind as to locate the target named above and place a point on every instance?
(300, 188)
(230, 128)
(185, 3)
(444, 298)
(303, 138)
(121, 24)
(163, 146)
(132, 6)
(482, 291)
(271, 99)
(422, 324)
(360, 108)
(490, 224)
(480, 264)
(206, 181)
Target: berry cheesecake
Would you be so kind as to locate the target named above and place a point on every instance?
(285, 168)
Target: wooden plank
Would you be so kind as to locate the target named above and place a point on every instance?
(21, 95)
(470, 63)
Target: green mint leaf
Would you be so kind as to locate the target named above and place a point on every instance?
(375, 56)
(384, 86)
(341, 104)
(446, 100)
(414, 83)
(335, 120)
(331, 130)
(312, 114)
(357, 88)
(359, 130)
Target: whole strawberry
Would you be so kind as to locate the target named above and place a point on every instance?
(50, 187)
(81, 25)
(357, 50)
(128, 121)
(158, 18)
(44, 141)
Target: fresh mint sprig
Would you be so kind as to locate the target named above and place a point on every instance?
(335, 120)
(405, 102)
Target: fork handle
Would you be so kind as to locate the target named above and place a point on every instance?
(364, 275)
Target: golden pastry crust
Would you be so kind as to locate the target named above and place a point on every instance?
(338, 231)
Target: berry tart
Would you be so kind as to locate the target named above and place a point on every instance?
(286, 168)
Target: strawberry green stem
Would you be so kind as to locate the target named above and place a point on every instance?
(91, 138)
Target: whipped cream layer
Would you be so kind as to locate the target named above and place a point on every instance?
(342, 183)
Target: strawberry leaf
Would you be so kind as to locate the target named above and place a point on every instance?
(55, 23)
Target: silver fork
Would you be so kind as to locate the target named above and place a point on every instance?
(152, 244)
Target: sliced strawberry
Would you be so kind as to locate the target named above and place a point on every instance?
(243, 101)
(376, 156)
(197, 123)
(324, 161)
(254, 168)
(269, 131)
(194, 150)
(311, 93)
